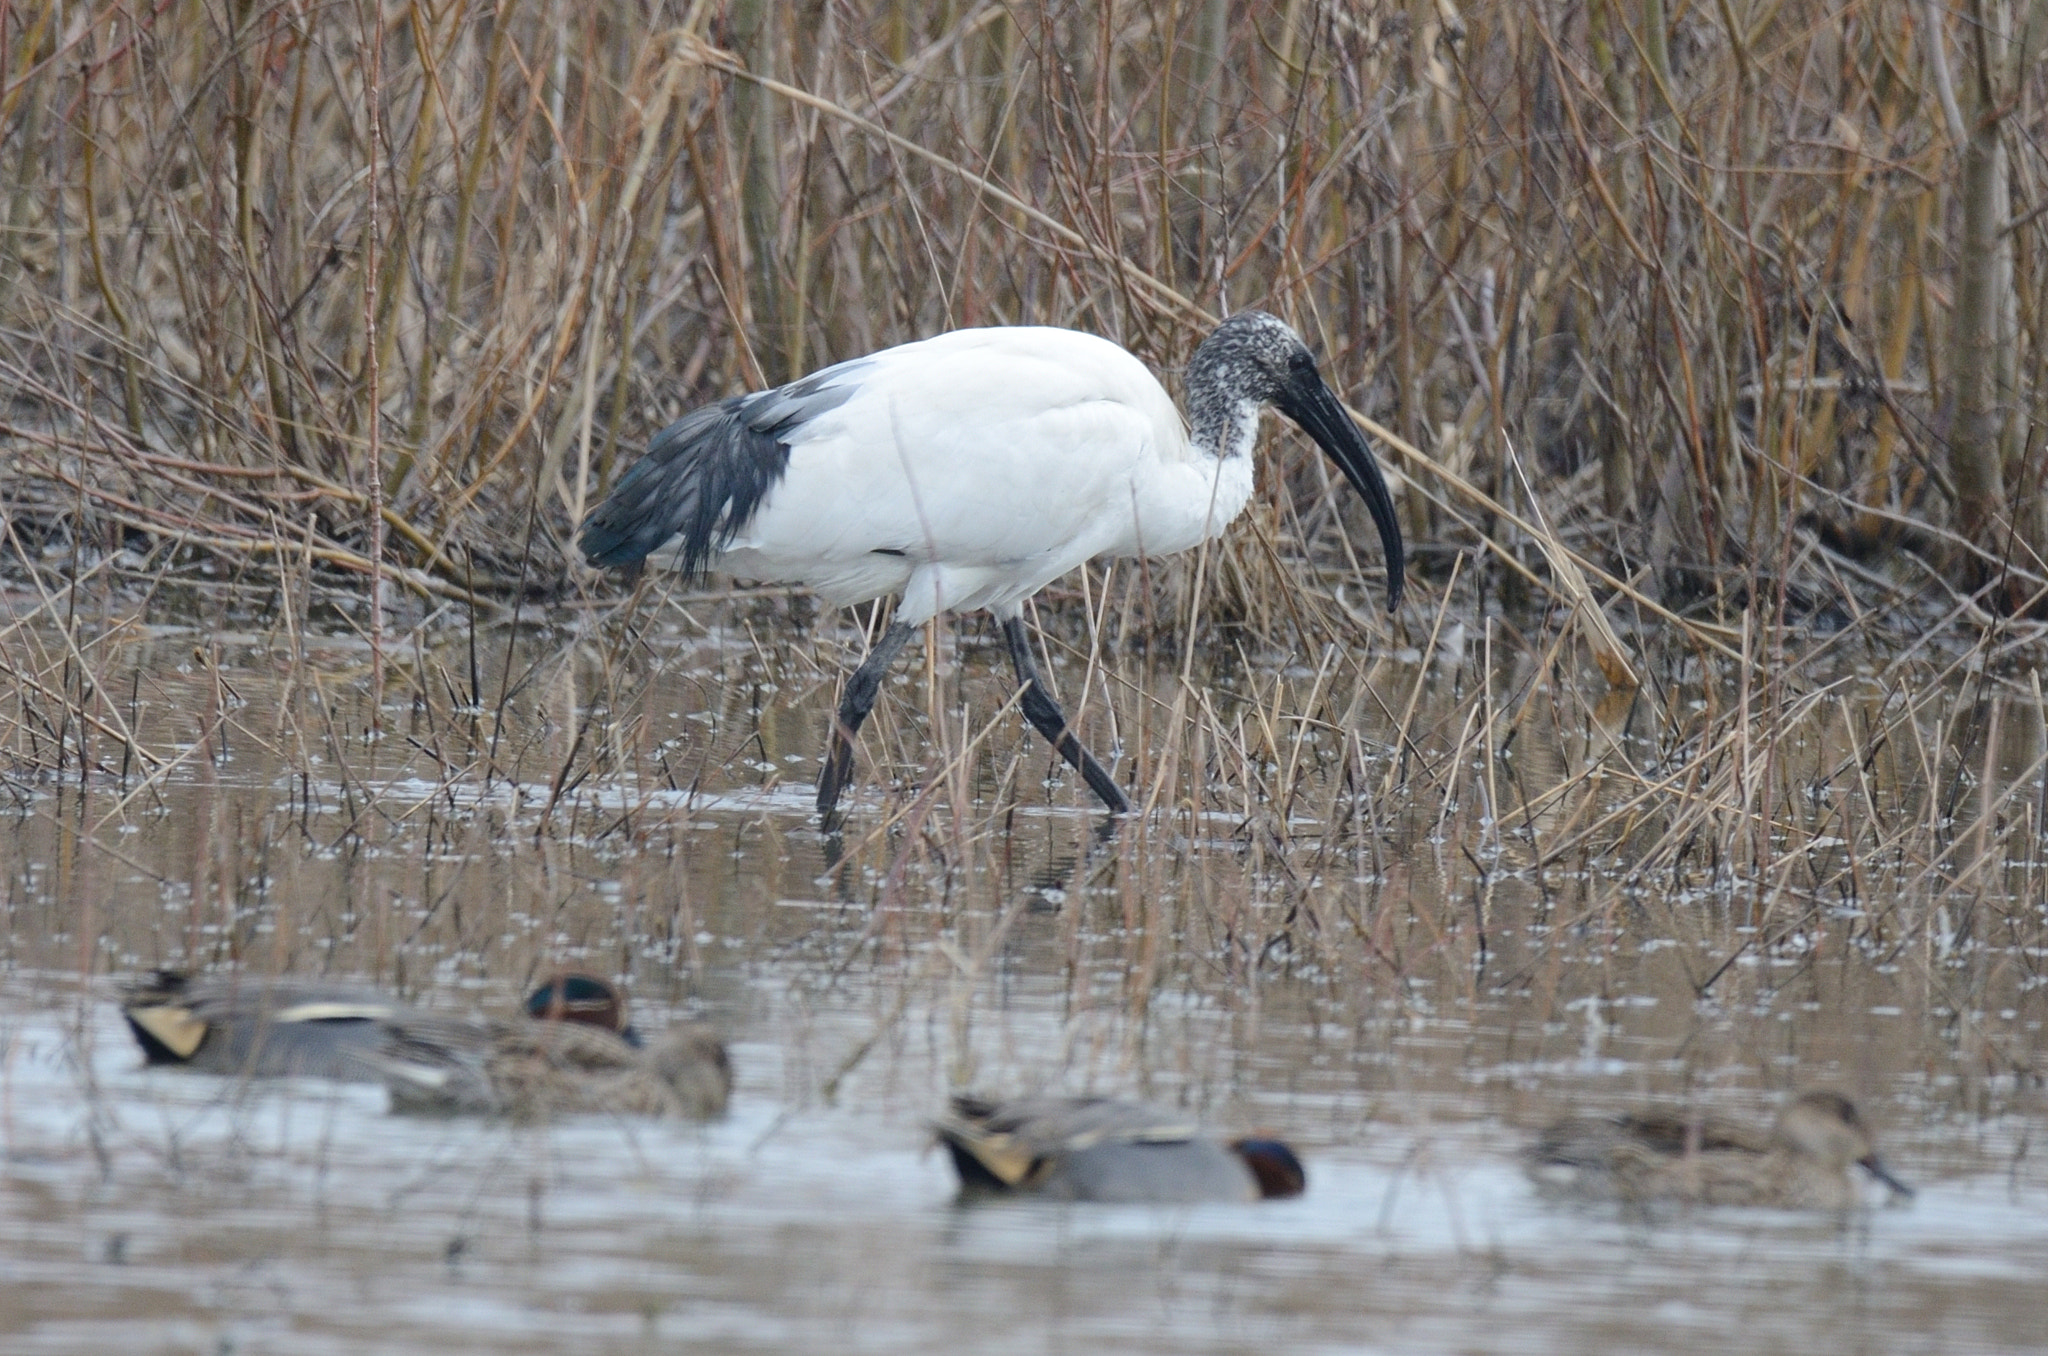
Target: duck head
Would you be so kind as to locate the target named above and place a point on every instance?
(1278, 1171)
(1826, 1127)
(579, 996)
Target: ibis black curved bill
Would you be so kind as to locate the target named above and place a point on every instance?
(1310, 403)
(970, 470)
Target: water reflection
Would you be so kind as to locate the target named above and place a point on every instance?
(157, 1211)
(1403, 972)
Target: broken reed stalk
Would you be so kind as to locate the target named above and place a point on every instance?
(1624, 283)
(1540, 277)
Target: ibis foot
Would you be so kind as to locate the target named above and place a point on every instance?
(1046, 717)
(854, 704)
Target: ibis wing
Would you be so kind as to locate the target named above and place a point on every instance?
(704, 476)
(978, 448)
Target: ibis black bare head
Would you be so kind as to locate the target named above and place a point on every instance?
(1250, 356)
(1255, 359)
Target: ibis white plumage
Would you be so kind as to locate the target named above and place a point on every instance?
(970, 470)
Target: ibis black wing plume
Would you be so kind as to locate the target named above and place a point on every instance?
(704, 476)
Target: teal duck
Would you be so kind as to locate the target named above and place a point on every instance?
(1101, 1149)
(1802, 1162)
(582, 998)
(271, 1027)
(536, 1071)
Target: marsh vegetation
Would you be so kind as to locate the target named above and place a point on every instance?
(1704, 763)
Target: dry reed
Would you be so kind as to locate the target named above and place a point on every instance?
(1698, 273)
(1657, 326)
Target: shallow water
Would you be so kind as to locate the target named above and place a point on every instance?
(148, 1211)
(1264, 972)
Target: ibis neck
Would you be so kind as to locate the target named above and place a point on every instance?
(1221, 426)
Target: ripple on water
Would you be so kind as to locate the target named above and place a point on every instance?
(149, 1210)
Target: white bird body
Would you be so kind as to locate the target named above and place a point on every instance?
(970, 470)
(891, 491)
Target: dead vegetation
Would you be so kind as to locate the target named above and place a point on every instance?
(1674, 295)
(323, 326)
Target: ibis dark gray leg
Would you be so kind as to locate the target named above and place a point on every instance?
(854, 705)
(1046, 717)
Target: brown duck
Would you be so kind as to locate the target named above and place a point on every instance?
(536, 1071)
(1802, 1162)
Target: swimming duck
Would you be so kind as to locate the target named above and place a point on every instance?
(1101, 1149)
(1801, 1164)
(576, 996)
(261, 1026)
(257, 1026)
(536, 1071)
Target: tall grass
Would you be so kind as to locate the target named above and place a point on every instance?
(377, 284)
(357, 308)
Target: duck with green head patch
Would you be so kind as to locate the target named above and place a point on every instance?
(540, 1070)
(1102, 1149)
(269, 1026)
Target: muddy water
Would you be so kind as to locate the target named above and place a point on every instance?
(1384, 976)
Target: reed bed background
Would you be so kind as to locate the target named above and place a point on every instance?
(1726, 302)
(1704, 340)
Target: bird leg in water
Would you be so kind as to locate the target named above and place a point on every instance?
(1046, 717)
(859, 699)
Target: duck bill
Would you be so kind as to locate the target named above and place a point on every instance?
(1310, 404)
(1873, 1165)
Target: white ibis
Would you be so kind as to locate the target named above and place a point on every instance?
(971, 470)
